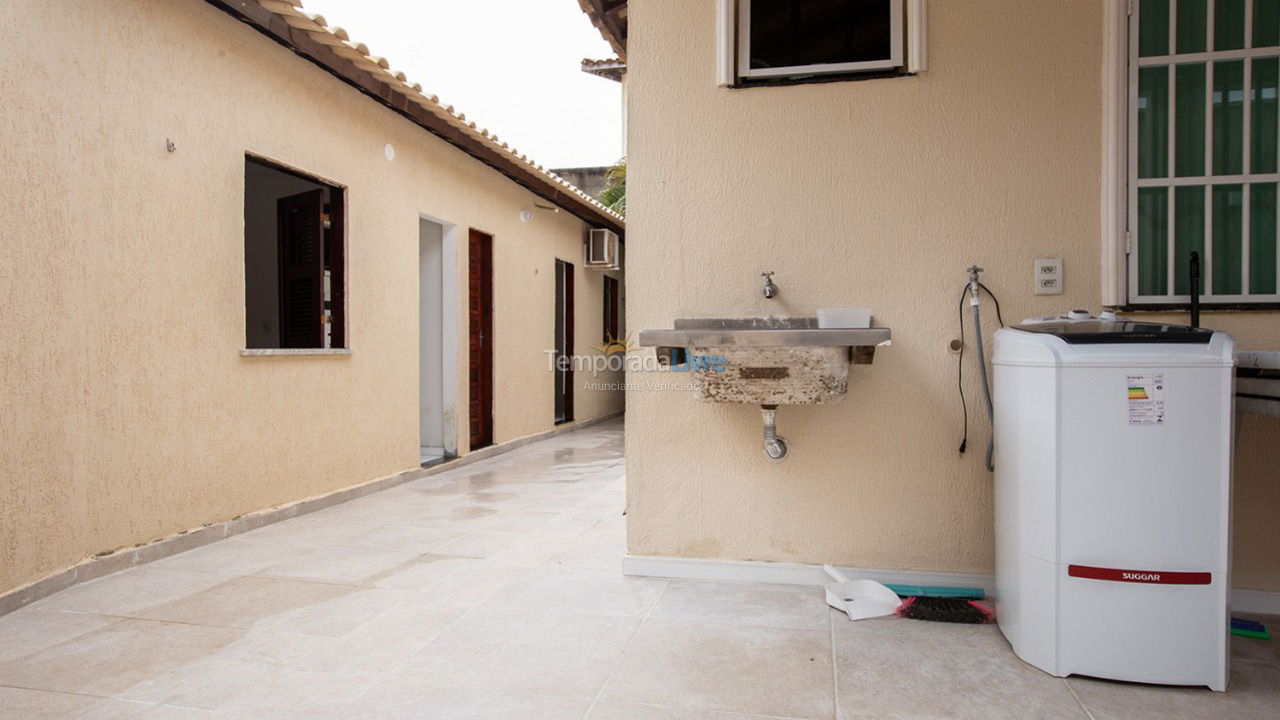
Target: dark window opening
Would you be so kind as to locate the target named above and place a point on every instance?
(293, 259)
(612, 320)
(564, 342)
(791, 39)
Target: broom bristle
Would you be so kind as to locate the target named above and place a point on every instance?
(942, 609)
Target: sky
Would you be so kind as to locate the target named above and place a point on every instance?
(513, 66)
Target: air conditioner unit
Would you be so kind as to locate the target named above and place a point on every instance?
(603, 251)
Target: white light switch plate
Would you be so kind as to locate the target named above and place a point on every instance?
(1048, 276)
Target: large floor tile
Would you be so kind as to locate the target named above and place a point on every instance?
(1256, 649)
(511, 650)
(24, 704)
(423, 571)
(374, 648)
(405, 536)
(246, 602)
(129, 592)
(780, 606)
(630, 711)
(1253, 693)
(896, 668)
(237, 688)
(731, 668)
(480, 543)
(33, 629)
(115, 658)
(231, 557)
(400, 700)
(471, 584)
(345, 565)
(339, 615)
(555, 589)
(116, 709)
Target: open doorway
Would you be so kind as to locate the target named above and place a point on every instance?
(564, 342)
(437, 340)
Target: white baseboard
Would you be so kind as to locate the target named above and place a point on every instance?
(1242, 600)
(1266, 602)
(789, 573)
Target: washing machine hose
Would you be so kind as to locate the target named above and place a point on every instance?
(986, 385)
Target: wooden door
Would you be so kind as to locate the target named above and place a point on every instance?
(480, 313)
(301, 226)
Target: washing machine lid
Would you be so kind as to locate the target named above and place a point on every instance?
(1119, 331)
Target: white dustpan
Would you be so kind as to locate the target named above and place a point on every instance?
(860, 599)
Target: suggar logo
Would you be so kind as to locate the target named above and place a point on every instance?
(1162, 577)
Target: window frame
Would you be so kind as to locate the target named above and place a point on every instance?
(335, 333)
(908, 51)
(1121, 261)
(895, 61)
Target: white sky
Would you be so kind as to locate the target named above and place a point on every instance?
(511, 65)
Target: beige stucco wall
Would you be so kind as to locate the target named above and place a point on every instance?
(129, 413)
(876, 193)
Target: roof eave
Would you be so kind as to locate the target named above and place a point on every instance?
(394, 92)
(610, 18)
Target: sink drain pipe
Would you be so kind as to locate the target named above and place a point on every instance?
(775, 448)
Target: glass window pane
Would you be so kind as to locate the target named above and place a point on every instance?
(1192, 30)
(1262, 238)
(1228, 204)
(1266, 83)
(1189, 126)
(1228, 117)
(1153, 121)
(1153, 27)
(1188, 235)
(1266, 23)
(1153, 241)
(1228, 24)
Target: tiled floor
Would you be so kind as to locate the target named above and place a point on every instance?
(493, 591)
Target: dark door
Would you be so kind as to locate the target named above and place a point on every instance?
(480, 313)
(564, 342)
(301, 228)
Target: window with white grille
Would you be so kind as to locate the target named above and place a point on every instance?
(1203, 78)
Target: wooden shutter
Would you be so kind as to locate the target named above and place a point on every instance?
(301, 239)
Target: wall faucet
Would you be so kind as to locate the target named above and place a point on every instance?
(770, 289)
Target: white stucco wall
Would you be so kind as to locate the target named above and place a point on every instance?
(129, 411)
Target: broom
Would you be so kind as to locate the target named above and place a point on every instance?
(945, 609)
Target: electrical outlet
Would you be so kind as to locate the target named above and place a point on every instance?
(1048, 276)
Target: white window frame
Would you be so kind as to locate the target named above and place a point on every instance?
(1119, 162)
(907, 48)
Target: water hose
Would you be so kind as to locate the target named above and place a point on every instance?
(975, 293)
(986, 385)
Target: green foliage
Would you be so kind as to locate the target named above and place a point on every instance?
(614, 194)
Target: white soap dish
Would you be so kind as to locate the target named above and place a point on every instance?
(844, 317)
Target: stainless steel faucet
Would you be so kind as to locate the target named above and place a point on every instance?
(770, 290)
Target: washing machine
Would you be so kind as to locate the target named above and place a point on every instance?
(1113, 442)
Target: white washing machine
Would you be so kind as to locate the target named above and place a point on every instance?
(1113, 498)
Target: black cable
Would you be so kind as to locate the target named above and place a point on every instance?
(964, 406)
(999, 317)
